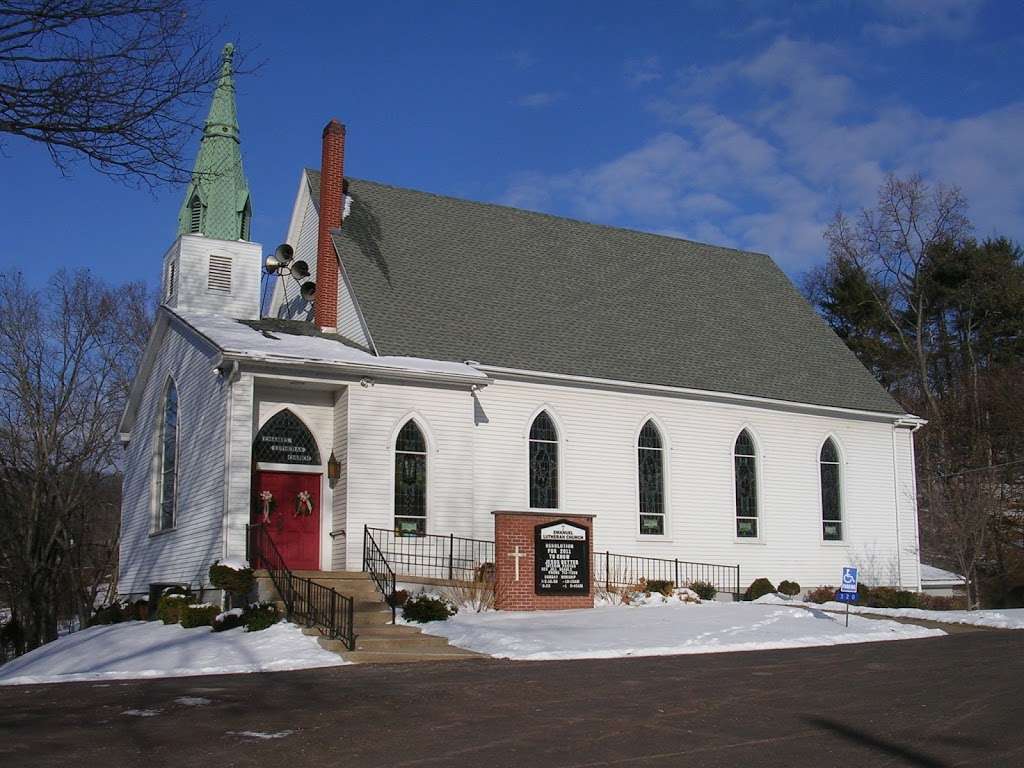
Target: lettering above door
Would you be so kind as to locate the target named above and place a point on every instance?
(284, 439)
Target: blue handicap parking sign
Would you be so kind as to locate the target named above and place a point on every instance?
(849, 579)
(846, 597)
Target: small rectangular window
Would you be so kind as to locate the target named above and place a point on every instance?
(219, 276)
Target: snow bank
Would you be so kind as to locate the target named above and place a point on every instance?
(140, 649)
(1009, 618)
(674, 628)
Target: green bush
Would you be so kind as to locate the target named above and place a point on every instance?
(229, 620)
(424, 608)
(259, 616)
(789, 588)
(198, 615)
(139, 610)
(663, 586)
(942, 602)
(238, 581)
(890, 597)
(397, 599)
(863, 594)
(169, 608)
(114, 613)
(820, 595)
(759, 588)
(705, 589)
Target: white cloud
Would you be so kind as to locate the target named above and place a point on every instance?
(538, 99)
(769, 176)
(642, 71)
(909, 21)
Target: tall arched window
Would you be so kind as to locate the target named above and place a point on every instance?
(745, 458)
(167, 479)
(650, 466)
(831, 494)
(195, 214)
(410, 481)
(543, 463)
(246, 219)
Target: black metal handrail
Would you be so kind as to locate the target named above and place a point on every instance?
(304, 599)
(381, 573)
(454, 557)
(451, 557)
(617, 571)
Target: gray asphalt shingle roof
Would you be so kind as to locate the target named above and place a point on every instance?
(451, 279)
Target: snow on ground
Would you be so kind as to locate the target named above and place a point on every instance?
(1007, 618)
(660, 629)
(151, 649)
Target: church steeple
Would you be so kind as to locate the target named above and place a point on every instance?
(217, 200)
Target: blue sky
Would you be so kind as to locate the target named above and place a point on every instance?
(742, 124)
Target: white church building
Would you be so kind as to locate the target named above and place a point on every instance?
(448, 358)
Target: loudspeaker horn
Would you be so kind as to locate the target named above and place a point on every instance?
(300, 269)
(308, 290)
(284, 253)
(272, 264)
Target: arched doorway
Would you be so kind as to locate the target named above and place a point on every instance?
(287, 496)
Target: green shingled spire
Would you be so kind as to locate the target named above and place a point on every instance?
(217, 200)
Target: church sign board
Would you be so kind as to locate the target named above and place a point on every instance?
(561, 559)
(284, 439)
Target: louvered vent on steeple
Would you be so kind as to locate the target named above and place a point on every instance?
(219, 276)
(195, 213)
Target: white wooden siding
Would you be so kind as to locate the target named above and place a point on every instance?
(477, 463)
(184, 553)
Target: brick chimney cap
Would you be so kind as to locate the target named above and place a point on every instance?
(334, 127)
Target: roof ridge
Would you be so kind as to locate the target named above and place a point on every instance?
(528, 212)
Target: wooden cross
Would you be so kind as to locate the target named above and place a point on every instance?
(517, 555)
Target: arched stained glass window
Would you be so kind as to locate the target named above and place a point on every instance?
(543, 463)
(745, 459)
(650, 470)
(831, 493)
(167, 479)
(410, 481)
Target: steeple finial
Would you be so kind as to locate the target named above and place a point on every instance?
(217, 200)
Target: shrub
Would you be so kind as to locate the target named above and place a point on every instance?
(198, 615)
(890, 597)
(705, 589)
(486, 572)
(863, 594)
(664, 586)
(820, 595)
(139, 610)
(424, 608)
(229, 620)
(170, 607)
(397, 599)
(758, 588)
(259, 616)
(230, 578)
(789, 588)
(114, 613)
(942, 602)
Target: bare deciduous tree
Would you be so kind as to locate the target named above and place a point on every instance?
(64, 358)
(117, 83)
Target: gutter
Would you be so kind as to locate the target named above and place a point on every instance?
(358, 370)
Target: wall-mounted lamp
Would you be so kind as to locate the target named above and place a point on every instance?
(333, 468)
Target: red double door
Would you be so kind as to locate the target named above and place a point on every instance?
(294, 528)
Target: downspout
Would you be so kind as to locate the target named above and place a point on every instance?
(896, 499)
(231, 375)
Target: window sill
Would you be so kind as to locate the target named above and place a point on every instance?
(840, 543)
(162, 531)
(651, 538)
(748, 540)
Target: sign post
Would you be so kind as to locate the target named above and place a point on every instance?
(848, 589)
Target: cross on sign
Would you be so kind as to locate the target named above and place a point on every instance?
(517, 555)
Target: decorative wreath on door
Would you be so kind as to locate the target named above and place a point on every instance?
(266, 504)
(303, 504)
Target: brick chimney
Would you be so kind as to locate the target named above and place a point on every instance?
(332, 172)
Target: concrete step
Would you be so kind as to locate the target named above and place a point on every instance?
(425, 643)
(399, 657)
(371, 618)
